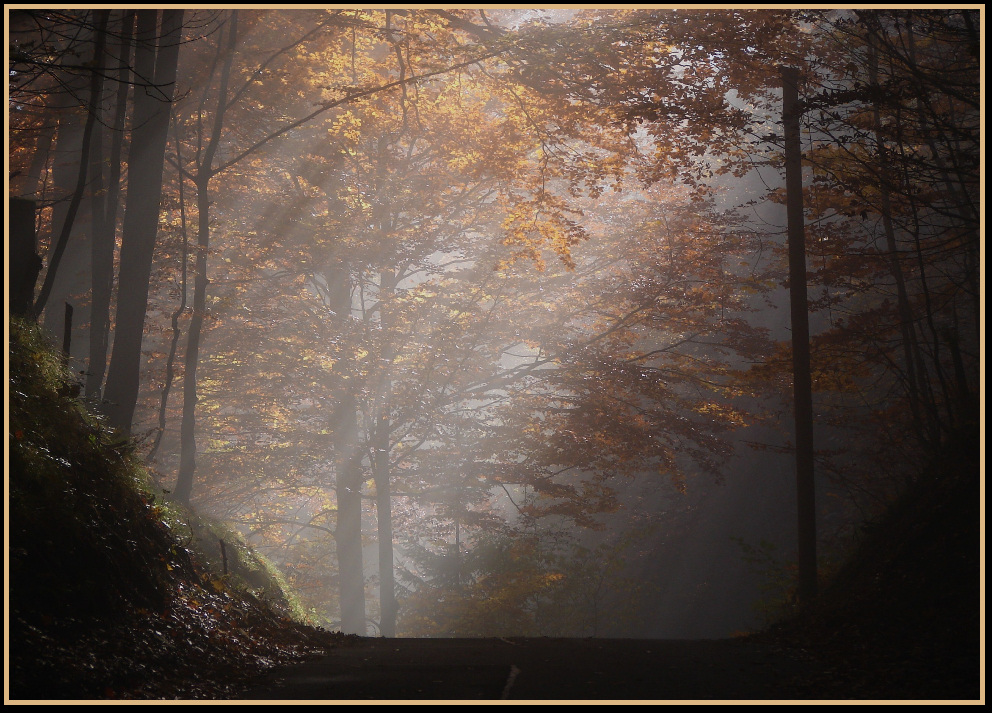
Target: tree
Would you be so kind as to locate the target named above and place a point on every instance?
(104, 213)
(53, 87)
(156, 59)
(68, 219)
(894, 229)
(532, 213)
(799, 313)
(469, 275)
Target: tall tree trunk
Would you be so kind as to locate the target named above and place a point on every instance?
(105, 238)
(187, 430)
(152, 107)
(25, 263)
(180, 308)
(347, 456)
(384, 519)
(100, 263)
(348, 531)
(65, 169)
(802, 382)
(380, 466)
(380, 429)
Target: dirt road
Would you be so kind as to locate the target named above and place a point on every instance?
(544, 669)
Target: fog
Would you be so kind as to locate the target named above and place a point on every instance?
(477, 323)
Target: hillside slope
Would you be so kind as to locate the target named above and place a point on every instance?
(111, 593)
(904, 618)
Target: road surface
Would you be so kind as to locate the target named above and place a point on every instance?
(544, 669)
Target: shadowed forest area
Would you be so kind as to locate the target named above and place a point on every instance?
(422, 323)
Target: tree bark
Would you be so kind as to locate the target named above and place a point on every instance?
(348, 455)
(66, 165)
(146, 160)
(25, 263)
(348, 532)
(104, 240)
(180, 308)
(205, 171)
(380, 466)
(799, 303)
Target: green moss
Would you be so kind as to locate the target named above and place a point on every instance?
(237, 566)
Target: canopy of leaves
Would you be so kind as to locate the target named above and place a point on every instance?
(504, 264)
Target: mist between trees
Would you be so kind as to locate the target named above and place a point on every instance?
(464, 316)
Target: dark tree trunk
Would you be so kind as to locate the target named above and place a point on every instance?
(146, 160)
(104, 237)
(187, 435)
(65, 169)
(802, 381)
(180, 308)
(25, 263)
(187, 430)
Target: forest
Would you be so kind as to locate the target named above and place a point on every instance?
(463, 317)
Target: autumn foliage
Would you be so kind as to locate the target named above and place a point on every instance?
(438, 284)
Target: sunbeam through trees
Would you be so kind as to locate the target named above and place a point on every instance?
(476, 322)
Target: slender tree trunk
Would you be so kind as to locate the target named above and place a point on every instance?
(187, 430)
(105, 240)
(101, 252)
(152, 106)
(381, 474)
(802, 382)
(380, 411)
(348, 472)
(180, 308)
(64, 175)
(348, 531)
(384, 519)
